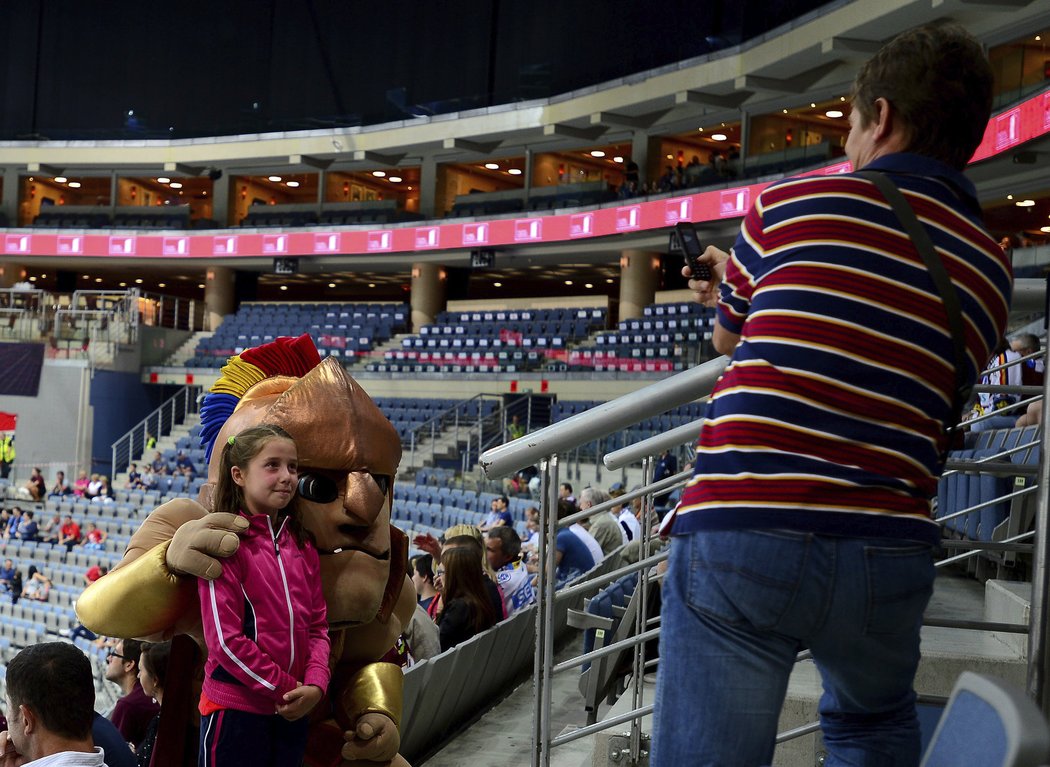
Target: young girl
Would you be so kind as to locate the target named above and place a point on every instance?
(264, 616)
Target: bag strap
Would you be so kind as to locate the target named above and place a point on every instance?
(949, 295)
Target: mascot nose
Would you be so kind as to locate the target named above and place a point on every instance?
(363, 501)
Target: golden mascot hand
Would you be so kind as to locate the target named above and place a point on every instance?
(348, 454)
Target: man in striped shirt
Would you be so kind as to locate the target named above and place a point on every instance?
(807, 523)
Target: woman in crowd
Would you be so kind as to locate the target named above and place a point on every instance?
(153, 672)
(37, 585)
(467, 609)
(80, 486)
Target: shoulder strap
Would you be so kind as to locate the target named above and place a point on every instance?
(921, 240)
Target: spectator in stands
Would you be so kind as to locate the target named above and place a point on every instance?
(28, 529)
(134, 710)
(1005, 370)
(61, 488)
(603, 526)
(93, 487)
(692, 172)
(16, 586)
(94, 572)
(422, 636)
(631, 186)
(13, 522)
(668, 181)
(80, 485)
(107, 737)
(183, 462)
(50, 707)
(565, 493)
(69, 533)
(7, 575)
(153, 673)
(498, 515)
(626, 515)
(1033, 370)
(466, 606)
(532, 529)
(35, 486)
(37, 585)
(503, 551)
(104, 495)
(807, 523)
(134, 478)
(576, 551)
(666, 466)
(50, 529)
(515, 429)
(159, 465)
(151, 442)
(149, 479)
(94, 538)
(421, 568)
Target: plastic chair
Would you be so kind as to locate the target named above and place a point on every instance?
(989, 723)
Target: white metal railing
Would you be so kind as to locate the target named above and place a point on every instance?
(157, 424)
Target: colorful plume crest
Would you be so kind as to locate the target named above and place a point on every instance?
(285, 356)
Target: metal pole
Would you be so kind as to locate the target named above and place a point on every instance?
(544, 611)
(648, 467)
(1038, 659)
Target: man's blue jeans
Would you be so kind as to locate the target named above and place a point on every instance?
(739, 605)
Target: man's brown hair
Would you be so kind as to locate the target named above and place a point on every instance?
(939, 82)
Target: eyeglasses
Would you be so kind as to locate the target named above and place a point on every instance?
(111, 655)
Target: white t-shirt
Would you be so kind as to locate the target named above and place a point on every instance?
(587, 538)
(630, 523)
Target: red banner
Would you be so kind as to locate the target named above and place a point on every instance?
(8, 421)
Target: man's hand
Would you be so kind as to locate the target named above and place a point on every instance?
(706, 291)
(374, 739)
(428, 543)
(8, 756)
(299, 702)
(197, 544)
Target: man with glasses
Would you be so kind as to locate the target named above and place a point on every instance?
(134, 710)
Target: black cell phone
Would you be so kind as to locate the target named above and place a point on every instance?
(691, 249)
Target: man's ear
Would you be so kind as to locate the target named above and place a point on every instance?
(28, 718)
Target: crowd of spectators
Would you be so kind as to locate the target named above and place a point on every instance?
(719, 167)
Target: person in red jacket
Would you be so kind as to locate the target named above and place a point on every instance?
(265, 620)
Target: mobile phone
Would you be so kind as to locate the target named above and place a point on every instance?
(691, 249)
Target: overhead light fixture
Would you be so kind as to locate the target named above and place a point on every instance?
(834, 114)
(717, 137)
(284, 287)
(670, 157)
(86, 276)
(74, 185)
(617, 159)
(371, 284)
(163, 180)
(162, 284)
(1009, 196)
(1024, 203)
(1045, 229)
(379, 173)
(1038, 38)
(597, 153)
(331, 284)
(32, 279)
(123, 284)
(395, 179)
(610, 280)
(60, 179)
(98, 279)
(785, 111)
(492, 165)
(514, 171)
(497, 284)
(175, 185)
(568, 282)
(274, 179)
(138, 281)
(201, 286)
(588, 285)
(292, 184)
(812, 105)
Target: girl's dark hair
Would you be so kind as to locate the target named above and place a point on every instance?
(423, 565)
(156, 655)
(464, 579)
(239, 451)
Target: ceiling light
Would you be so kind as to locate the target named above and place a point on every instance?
(43, 276)
(175, 185)
(86, 276)
(410, 189)
(1038, 38)
(74, 185)
(514, 171)
(98, 279)
(1024, 203)
(284, 287)
(670, 157)
(331, 284)
(1045, 229)
(379, 173)
(588, 285)
(812, 105)
(274, 179)
(395, 179)
(163, 180)
(492, 165)
(497, 284)
(597, 153)
(610, 280)
(60, 179)
(371, 284)
(123, 284)
(292, 184)
(617, 158)
(718, 137)
(32, 279)
(138, 281)
(785, 111)
(568, 282)
(162, 284)
(201, 286)
(834, 114)
(1009, 196)
(700, 129)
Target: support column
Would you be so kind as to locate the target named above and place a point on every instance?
(639, 277)
(9, 196)
(428, 181)
(645, 151)
(428, 293)
(220, 200)
(218, 295)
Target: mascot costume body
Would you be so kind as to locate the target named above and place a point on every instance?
(348, 454)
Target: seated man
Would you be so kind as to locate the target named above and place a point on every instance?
(13, 522)
(134, 478)
(69, 533)
(61, 487)
(183, 462)
(7, 575)
(28, 530)
(499, 515)
(50, 708)
(51, 528)
(95, 538)
(503, 550)
(159, 465)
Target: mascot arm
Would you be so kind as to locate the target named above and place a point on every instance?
(375, 689)
(140, 599)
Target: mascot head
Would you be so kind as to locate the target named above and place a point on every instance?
(348, 454)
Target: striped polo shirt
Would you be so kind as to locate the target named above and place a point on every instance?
(830, 415)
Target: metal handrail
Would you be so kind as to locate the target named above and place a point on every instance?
(157, 424)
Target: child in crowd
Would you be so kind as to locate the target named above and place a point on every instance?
(258, 663)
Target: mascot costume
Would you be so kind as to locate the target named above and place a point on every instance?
(348, 454)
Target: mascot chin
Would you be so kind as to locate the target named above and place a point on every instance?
(349, 451)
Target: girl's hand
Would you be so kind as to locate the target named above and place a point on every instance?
(299, 702)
